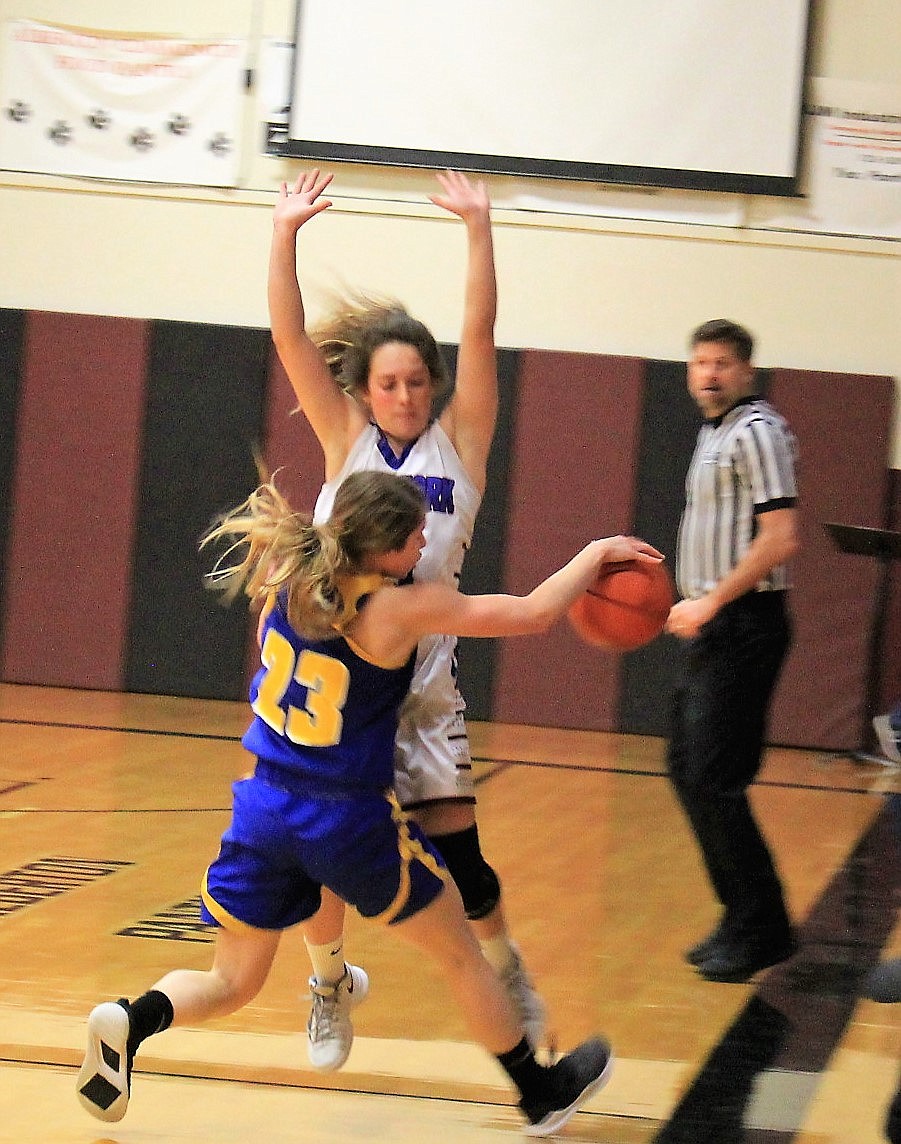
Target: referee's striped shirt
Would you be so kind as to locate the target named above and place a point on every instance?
(743, 465)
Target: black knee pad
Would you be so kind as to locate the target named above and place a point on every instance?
(478, 884)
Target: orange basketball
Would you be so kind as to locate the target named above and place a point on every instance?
(626, 607)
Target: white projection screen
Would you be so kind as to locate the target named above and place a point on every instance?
(698, 94)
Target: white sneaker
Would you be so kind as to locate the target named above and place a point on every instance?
(527, 1005)
(105, 1077)
(330, 1033)
(888, 738)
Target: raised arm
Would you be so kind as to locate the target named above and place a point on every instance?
(471, 414)
(333, 416)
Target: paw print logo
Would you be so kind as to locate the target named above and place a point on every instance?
(220, 144)
(60, 132)
(99, 119)
(18, 111)
(142, 139)
(179, 124)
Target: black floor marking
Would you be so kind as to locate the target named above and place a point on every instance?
(181, 922)
(503, 764)
(236, 738)
(795, 1020)
(48, 878)
(24, 784)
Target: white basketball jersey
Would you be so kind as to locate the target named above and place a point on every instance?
(432, 758)
(453, 500)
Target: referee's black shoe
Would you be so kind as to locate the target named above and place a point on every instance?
(739, 961)
(708, 945)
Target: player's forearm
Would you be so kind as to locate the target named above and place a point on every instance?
(547, 602)
(480, 305)
(764, 554)
(286, 310)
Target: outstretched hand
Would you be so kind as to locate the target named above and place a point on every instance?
(461, 196)
(622, 548)
(299, 204)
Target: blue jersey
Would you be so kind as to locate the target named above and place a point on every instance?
(325, 714)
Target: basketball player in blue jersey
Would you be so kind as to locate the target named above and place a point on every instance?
(368, 381)
(338, 637)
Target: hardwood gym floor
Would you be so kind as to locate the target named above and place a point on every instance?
(111, 805)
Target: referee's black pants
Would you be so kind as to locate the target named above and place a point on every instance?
(720, 710)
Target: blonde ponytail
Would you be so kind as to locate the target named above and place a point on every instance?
(270, 548)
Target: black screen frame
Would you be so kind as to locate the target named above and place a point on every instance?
(280, 144)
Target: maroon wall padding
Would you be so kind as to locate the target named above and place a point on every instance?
(80, 396)
(842, 422)
(74, 499)
(290, 446)
(289, 443)
(890, 652)
(572, 479)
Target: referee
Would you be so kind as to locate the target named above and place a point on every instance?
(738, 530)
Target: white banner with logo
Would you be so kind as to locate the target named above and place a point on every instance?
(852, 168)
(110, 105)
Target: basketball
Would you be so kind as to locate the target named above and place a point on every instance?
(626, 607)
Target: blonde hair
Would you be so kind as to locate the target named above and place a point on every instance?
(359, 325)
(272, 548)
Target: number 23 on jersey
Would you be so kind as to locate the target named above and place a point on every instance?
(319, 721)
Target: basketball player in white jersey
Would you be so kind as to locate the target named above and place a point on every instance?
(368, 381)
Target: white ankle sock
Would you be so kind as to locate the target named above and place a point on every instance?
(498, 952)
(327, 961)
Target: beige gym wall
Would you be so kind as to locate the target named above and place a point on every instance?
(568, 281)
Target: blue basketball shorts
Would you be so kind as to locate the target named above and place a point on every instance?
(282, 846)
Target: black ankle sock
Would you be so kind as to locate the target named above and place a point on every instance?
(148, 1014)
(527, 1074)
